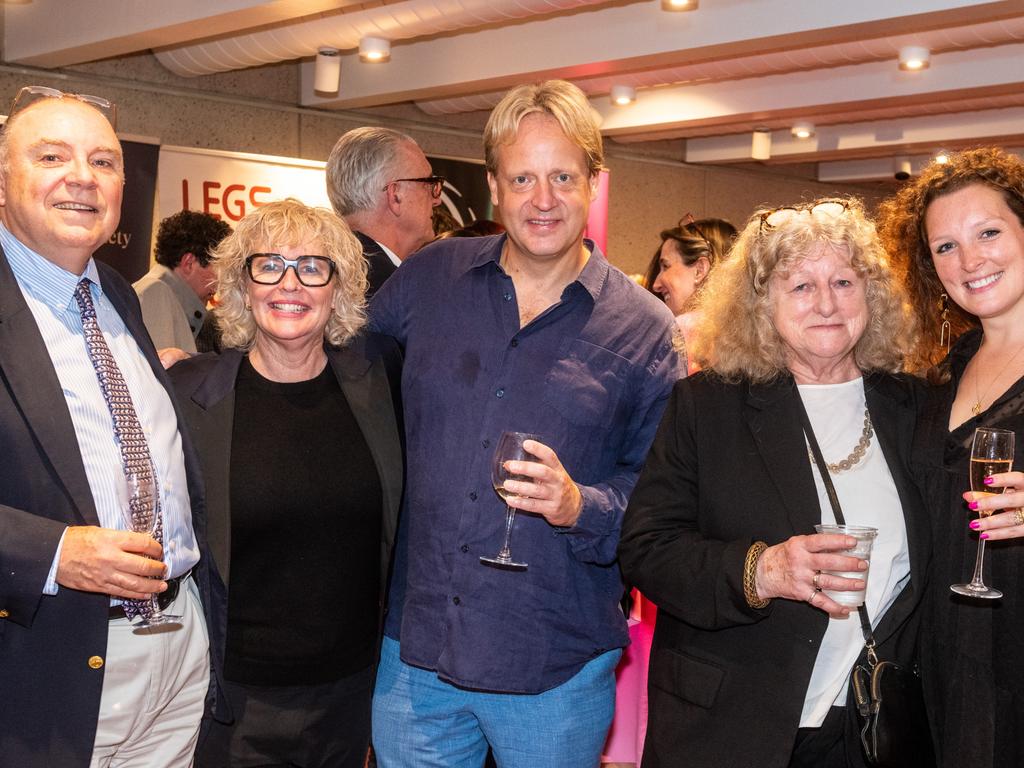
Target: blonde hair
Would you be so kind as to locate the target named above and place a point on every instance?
(561, 100)
(290, 222)
(736, 335)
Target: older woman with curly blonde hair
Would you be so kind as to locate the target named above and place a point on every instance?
(802, 336)
(958, 232)
(299, 445)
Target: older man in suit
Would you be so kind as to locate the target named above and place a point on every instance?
(381, 183)
(86, 423)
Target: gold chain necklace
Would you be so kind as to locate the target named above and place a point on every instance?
(976, 408)
(858, 450)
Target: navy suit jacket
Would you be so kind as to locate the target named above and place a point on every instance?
(52, 648)
(380, 265)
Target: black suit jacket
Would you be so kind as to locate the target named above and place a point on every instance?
(52, 647)
(366, 369)
(729, 467)
(380, 265)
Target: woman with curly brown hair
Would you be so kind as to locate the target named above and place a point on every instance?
(958, 232)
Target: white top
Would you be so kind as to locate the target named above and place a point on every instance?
(868, 497)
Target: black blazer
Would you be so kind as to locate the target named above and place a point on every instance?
(729, 467)
(380, 265)
(52, 647)
(366, 370)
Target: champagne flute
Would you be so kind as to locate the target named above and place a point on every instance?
(142, 512)
(991, 453)
(509, 448)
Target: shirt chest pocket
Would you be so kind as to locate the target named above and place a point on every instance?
(587, 385)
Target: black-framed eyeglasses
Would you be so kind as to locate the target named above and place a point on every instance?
(269, 269)
(436, 184)
(30, 94)
(777, 216)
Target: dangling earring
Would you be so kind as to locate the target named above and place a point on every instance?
(944, 332)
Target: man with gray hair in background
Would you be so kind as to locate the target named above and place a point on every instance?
(380, 182)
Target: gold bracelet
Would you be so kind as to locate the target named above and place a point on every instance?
(750, 575)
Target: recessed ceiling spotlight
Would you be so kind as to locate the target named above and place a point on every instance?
(942, 157)
(374, 50)
(914, 58)
(802, 130)
(622, 95)
(679, 5)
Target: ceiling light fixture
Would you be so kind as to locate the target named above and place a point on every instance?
(901, 168)
(679, 5)
(374, 50)
(327, 71)
(761, 144)
(622, 95)
(914, 58)
(942, 157)
(802, 130)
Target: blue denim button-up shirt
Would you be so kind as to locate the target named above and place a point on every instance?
(591, 376)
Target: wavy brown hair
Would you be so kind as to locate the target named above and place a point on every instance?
(290, 222)
(736, 335)
(901, 225)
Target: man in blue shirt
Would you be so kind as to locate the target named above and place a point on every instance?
(531, 331)
(85, 406)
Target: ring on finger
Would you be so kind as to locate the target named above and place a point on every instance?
(1018, 515)
(810, 597)
(814, 581)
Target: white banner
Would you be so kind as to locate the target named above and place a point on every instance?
(229, 185)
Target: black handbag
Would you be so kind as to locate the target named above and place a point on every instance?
(889, 712)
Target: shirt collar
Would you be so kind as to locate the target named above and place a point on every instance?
(52, 285)
(592, 277)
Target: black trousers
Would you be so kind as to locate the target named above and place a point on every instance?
(822, 747)
(313, 726)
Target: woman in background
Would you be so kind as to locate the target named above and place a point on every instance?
(958, 232)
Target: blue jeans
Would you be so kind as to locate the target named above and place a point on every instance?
(420, 721)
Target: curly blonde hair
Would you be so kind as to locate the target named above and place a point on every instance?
(736, 336)
(290, 222)
(901, 225)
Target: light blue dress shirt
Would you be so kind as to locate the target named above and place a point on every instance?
(49, 293)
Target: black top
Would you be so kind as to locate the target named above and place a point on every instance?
(971, 648)
(305, 533)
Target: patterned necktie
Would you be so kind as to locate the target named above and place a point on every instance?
(135, 457)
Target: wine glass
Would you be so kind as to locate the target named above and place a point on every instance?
(509, 448)
(991, 453)
(142, 512)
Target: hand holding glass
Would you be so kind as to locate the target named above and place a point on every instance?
(865, 536)
(509, 448)
(991, 453)
(142, 513)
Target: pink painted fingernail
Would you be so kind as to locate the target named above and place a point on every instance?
(973, 505)
(988, 479)
(975, 524)
(984, 535)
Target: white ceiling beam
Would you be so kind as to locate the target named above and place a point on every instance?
(879, 137)
(874, 169)
(805, 95)
(627, 38)
(57, 33)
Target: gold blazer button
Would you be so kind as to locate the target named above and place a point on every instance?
(4, 613)
(95, 662)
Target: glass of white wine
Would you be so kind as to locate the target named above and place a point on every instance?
(142, 513)
(509, 448)
(991, 453)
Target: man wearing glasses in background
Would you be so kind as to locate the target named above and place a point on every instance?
(86, 420)
(380, 182)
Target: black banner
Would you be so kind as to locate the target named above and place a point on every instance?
(129, 247)
(465, 191)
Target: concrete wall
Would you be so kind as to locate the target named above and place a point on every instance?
(253, 111)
